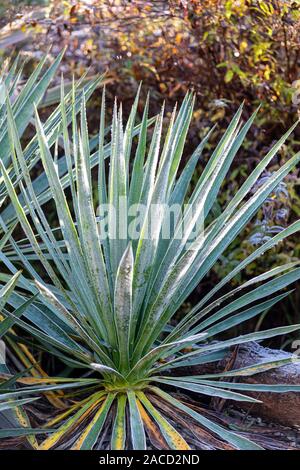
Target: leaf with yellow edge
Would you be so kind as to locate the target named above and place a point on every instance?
(91, 433)
(72, 422)
(119, 430)
(152, 429)
(36, 371)
(173, 438)
(58, 418)
(55, 380)
(24, 422)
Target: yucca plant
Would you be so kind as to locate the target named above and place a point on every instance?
(112, 287)
(23, 96)
(22, 100)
